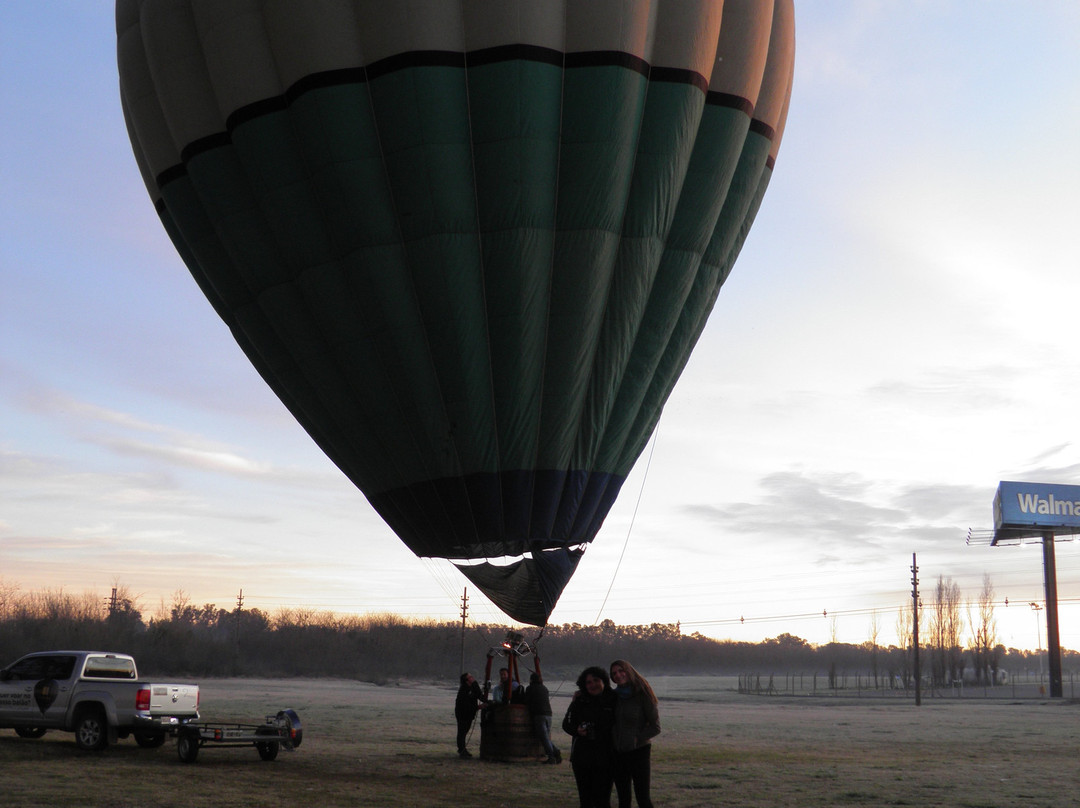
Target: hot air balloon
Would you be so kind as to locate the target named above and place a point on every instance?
(470, 244)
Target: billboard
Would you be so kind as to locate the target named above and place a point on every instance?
(1032, 509)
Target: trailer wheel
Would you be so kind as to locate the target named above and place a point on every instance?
(187, 747)
(91, 730)
(267, 749)
(150, 740)
(29, 732)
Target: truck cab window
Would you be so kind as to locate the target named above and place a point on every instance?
(30, 669)
(107, 667)
(59, 667)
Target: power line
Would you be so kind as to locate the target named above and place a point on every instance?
(825, 613)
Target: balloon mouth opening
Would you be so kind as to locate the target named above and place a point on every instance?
(525, 586)
(534, 554)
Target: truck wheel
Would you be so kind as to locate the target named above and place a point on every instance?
(187, 747)
(149, 740)
(91, 731)
(29, 732)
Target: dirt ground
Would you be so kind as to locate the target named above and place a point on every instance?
(393, 745)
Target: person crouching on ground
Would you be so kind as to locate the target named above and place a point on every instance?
(637, 721)
(468, 701)
(590, 720)
(536, 696)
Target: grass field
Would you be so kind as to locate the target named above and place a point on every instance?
(393, 746)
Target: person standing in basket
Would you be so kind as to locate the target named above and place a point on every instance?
(468, 701)
(506, 689)
(536, 696)
(590, 720)
(637, 722)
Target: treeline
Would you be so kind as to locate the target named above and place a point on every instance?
(183, 639)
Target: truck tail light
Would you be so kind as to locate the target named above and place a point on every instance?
(142, 699)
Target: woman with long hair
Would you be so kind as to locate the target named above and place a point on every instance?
(589, 721)
(637, 722)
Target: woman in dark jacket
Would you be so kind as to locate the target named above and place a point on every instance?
(468, 701)
(590, 720)
(637, 722)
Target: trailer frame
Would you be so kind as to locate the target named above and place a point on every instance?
(281, 731)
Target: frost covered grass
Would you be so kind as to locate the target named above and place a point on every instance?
(390, 746)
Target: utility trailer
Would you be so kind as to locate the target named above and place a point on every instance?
(279, 731)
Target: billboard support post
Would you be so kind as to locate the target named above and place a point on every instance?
(1053, 642)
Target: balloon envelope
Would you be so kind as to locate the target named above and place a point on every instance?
(470, 244)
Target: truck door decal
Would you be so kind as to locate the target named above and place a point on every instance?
(45, 694)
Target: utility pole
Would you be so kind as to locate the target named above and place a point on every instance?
(239, 608)
(915, 628)
(1036, 607)
(464, 614)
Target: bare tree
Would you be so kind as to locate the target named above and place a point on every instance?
(955, 633)
(7, 598)
(181, 603)
(984, 634)
(833, 649)
(875, 632)
(946, 651)
(905, 627)
(937, 636)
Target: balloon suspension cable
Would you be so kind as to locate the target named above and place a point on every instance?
(629, 530)
(436, 567)
(536, 648)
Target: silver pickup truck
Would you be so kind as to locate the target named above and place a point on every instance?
(96, 695)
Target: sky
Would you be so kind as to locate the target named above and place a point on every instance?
(898, 336)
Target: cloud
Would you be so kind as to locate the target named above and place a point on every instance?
(58, 404)
(205, 459)
(950, 388)
(822, 511)
(831, 522)
(125, 434)
(938, 503)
